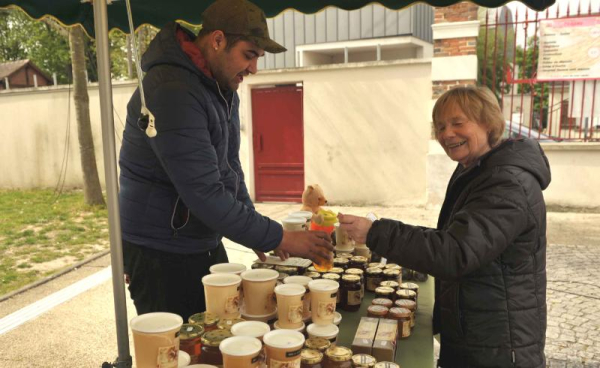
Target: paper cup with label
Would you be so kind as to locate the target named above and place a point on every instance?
(293, 224)
(283, 348)
(156, 339)
(290, 307)
(250, 328)
(241, 351)
(235, 268)
(341, 235)
(302, 280)
(329, 332)
(323, 299)
(259, 286)
(222, 294)
(306, 215)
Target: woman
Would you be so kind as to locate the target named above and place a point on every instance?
(488, 252)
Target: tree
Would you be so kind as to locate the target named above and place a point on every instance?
(494, 57)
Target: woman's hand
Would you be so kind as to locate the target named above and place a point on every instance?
(356, 227)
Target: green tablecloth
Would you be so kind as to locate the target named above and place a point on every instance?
(413, 352)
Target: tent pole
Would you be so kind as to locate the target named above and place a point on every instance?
(110, 170)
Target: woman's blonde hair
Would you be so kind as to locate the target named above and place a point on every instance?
(479, 104)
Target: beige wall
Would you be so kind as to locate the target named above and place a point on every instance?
(365, 129)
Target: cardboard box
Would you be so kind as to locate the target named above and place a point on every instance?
(365, 336)
(384, 346)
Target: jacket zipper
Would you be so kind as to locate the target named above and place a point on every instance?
(187, 218)
(229, 111)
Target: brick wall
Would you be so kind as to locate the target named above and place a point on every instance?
(460, 12)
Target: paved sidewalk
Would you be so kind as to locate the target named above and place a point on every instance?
(81, 331)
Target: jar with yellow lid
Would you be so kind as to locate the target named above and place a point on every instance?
(393, 284)
(207, 320)
(317, 343)
(374, 278)
(406, 294)
(386, 365)
(375, 264)
(361, 274)
(350, 291)
(290, 270)
(363, 361)
(226, 323)
(377, 311)
(338, 357)
(313, 275)
(388, 303)
(392, 266)
(411, 286)
(359, 262)
(210, 347)
(260, 265)
(385, 292)
(189, 340)
(402, 315)
(340, 254)
(310, 358)
(392, 275)
(336, 270)
(341, 262)
(410, 305)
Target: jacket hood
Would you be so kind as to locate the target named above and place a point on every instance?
(524, 153)
(165, 49)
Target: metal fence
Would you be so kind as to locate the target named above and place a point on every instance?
(508, 49)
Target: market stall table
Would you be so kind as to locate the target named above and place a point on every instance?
(413, 352)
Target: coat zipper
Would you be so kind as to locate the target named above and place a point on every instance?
(229, 111)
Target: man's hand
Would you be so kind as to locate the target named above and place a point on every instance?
(314, 245)
(282, 255)
(356, 227)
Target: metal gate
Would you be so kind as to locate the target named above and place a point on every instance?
(549, 110)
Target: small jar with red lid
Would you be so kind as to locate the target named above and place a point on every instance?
(388, 303)
(410, 305)
(377, 311)
(402, 315)
(190, 336)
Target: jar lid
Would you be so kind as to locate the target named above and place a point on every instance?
(226, 323)
(338, 354)
(409, 286)
(382, 301)
(392, 266)
(359, 259)
(391, 272)
(375, 264)
(311, 356)
(374, 271)
(406, 294)
(213, 338)
(384, 290)
(340, 254)
(406, 303)
(377, 310)
(355, 271)
(389, 283)
(312, 269)
(386, 365)
(351, 278)
(331, 276)
(329, 217)
(190, 331)
(313, 275)
(341, 260)
(336, 270)
(317, 343)
(363, 361)
(204, 318)
(397, 312)
(286, 269)
(258, 265)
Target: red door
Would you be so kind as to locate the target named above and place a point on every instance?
(278, 140)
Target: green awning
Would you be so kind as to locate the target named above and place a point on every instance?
(160, 12)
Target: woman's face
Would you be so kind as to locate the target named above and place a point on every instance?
(464, 140)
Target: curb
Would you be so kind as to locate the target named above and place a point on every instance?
(52, 277)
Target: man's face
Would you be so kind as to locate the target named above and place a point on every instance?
(231, 66)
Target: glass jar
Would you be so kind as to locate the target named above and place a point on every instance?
(392, 266)
(207, 320)
(360, 273)
(226, 323)
(337, 271)
(312, 269)
(317, 343)
(386, 365)
(392, 284)
(351, 297)
(388, 303)
(411, 286)
(410, 305)
(406, 294)
(374, 277)
(210, 347)
(376, 264)
(340, 254)
(313, 275)
(377, 311)
(311, 358)
(290, 270)
(363, 361)
(385, 292)
(359, 262)
(341, 262)
(338, 357)
(402, 315)
(190, 336)
(259, 265)
(392, 275)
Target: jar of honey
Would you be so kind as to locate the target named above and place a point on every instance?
(207, 320)
(311, 358)
(210, 347)
(350, 291)
(377, 311)
(374, 278)
(388, 303)
(363, 361)
(410, 305)
(190, 340)
(317, 343)
(338, 357)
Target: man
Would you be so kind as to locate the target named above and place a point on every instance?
(183, 189)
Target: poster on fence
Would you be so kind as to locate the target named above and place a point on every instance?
(569, 49)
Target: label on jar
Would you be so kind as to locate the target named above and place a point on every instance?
(290, 364)
(326, 309)
(354, 297)
(232, 304)
(295, 313)
(405, 328)
(373, 283)
(167, 357)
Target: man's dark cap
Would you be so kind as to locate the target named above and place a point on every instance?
(241, 18)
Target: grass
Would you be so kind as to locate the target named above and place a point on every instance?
(41, 234)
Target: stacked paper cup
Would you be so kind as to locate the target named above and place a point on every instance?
(323, 300)
(259, 288)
